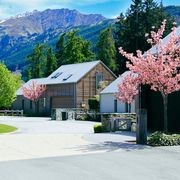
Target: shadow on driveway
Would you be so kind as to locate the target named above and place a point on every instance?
(109, 146)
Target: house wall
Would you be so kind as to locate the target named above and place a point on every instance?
(24, 104)
(107, 104)
(56, 96)
(152, 101)
(86, 87)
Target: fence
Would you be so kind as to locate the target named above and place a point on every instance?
(12, 112)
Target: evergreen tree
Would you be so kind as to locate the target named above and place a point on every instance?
(106, 50)
(72, 49)
(131, 28)
(37, 62)
(51, 64)
(60, 48)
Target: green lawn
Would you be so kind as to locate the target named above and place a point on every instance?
(6, 128)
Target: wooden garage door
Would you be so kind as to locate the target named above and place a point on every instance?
(62, 102)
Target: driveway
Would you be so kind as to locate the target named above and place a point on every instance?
(41, 137)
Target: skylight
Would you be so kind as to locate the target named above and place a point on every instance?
(67, 77)
(56, 75)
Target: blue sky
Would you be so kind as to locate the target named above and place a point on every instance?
(108, 8)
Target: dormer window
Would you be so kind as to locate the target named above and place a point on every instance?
(56, 75)
(67, 77)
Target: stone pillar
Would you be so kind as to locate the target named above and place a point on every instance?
(141, 131)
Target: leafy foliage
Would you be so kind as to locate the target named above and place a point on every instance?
(93, 103)
(51, 63)
(161, 139)
(33, 91)
(72, 49)
(106, 50)
(158, 68)
(9, 83)
(37, 62)
(131, 28)
(98, 128)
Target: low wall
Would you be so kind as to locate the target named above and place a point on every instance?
(111, 121)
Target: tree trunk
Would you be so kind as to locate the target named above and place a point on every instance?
(165, 103)
(129, 107)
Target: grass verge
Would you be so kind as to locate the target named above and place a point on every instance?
(7, 128)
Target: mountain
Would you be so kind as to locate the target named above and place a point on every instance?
(175, 12)
(19, 34)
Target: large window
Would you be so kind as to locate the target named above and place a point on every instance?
(99, 78)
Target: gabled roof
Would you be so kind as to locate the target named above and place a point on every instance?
(165, 40)
(70, 73)
(113, 87)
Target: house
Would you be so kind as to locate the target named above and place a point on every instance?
(70, 86)
(108, 101)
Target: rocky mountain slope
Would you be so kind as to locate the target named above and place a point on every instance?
(19, 34)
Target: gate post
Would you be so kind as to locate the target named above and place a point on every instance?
(141, 131)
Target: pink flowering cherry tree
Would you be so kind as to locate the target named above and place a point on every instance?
(33, 92)
(128, 89)
(159, 68)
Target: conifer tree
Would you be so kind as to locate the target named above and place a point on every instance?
(37, 62)
(72, 48)
(106, 50)
(139, 19)
(51, 64)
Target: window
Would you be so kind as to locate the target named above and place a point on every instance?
(99, 78)
(56, 75)
(67, 77)
(115, 105)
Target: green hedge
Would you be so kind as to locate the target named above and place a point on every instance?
(98, 128)
(93, 104)
(161, 139)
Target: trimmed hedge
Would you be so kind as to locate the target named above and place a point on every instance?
(98, 128)
(161, 139)
(93, 104)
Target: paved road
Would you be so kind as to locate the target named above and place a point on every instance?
(142, 164)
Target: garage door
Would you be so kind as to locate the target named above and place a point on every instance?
(62, 102)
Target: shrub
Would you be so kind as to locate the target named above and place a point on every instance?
(93, 104)
(161, 139)
(98, 128)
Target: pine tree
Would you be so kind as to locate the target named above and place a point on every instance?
(51, 64)
(106, 50)
(131, 28)
(72, 49)
(60, 48)
(37, 62)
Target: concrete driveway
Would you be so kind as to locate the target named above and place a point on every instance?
(41, 137)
